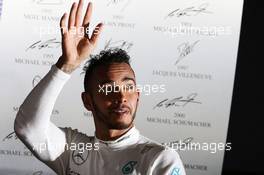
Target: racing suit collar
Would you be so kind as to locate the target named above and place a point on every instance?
(129, 138)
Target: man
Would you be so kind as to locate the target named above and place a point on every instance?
(111, 96)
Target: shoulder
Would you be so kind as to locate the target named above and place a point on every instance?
(148, 144)
(162, 159)
(154, 149)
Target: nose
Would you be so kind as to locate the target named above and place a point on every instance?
(120, 97)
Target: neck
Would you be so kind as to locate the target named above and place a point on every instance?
(106, 134)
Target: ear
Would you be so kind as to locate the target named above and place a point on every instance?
(138, 95)
(87, 101)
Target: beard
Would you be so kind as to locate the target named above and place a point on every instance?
(110, 121)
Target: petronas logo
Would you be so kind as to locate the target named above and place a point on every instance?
(129, 167)
(175, 171)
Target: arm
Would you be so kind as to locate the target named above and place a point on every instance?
(32, 124)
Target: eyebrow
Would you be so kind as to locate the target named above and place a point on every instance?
(124, 79)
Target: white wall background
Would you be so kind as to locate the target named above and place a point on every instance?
(198, 66)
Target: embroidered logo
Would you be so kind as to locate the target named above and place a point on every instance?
(79, 157)
(129, 167)
(146, 149)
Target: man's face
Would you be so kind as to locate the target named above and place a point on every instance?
(114, 98)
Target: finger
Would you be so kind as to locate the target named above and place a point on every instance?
(88, 14)
(96, 33)
(63, 26)
(79, 14)
(72, 16)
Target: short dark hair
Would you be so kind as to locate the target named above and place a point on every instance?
(105, 57)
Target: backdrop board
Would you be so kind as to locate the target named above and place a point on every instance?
(183, 53)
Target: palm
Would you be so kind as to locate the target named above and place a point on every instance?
(84, 48)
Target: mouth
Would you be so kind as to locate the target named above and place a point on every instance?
(120, 111)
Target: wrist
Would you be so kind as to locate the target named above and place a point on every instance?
(65, 67)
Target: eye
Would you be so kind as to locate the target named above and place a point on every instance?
(116, 88)
(129, 86)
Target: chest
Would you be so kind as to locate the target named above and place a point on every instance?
(107, 162)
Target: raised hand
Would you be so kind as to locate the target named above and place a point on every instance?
(76, 44)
